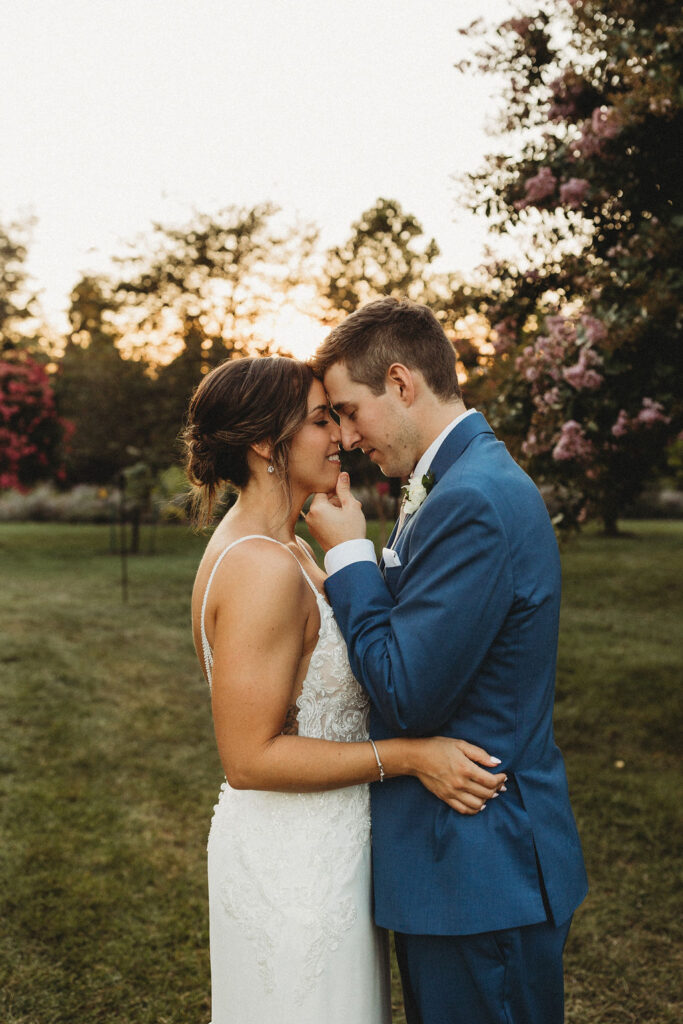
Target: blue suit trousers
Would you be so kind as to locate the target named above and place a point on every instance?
(512, 976)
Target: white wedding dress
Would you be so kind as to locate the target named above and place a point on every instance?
(292, 936)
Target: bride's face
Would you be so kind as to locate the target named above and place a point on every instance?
(314, 451)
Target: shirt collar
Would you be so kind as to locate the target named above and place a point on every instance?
(426, 460)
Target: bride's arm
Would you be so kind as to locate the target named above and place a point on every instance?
(259, 632)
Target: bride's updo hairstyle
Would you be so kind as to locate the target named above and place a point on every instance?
(239, 403)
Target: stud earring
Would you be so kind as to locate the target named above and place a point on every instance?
(271, 468)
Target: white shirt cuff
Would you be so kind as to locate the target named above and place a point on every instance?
(347, 553)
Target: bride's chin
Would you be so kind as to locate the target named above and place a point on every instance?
(329, 481)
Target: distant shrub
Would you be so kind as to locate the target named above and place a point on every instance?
(90, 503)
(84, 504)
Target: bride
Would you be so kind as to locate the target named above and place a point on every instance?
(291, 931)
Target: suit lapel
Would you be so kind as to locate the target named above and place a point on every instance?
(450, 451)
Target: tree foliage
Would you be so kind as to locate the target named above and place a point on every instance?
(16, 300)
(384, 255)
(215, 277)
(108, 398)
(588, 320)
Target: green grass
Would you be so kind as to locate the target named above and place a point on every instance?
(108, 775)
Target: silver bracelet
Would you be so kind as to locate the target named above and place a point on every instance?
(379, 763)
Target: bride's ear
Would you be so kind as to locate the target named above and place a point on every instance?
(264, 449)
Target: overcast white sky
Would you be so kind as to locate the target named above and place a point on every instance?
(117, 112)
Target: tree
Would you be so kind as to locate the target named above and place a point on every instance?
(109, 399)
(192, 296)
(587, 324)
(16, 300)
(381, 257)
(215, 277)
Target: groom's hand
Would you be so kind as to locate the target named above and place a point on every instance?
(336, 517)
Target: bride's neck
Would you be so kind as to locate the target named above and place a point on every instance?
(262, 507)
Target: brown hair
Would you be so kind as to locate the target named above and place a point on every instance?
(390, 331)
(239, 403)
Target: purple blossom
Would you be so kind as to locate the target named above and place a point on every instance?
(530, 444)
(573, 192)
(581, 376)
(594, 329)
(605, 122)
(582, 379)
(561, 328)
(652, 412)
(565, 91)
(538, 188)
(622, 425)
(588, 144)
(519, 25)
(505, 335)
(573, 445)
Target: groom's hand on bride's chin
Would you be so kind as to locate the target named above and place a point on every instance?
(336, 517)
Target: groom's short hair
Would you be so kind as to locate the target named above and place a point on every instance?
(391, 331)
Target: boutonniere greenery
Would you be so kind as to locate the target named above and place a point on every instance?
(415, 492)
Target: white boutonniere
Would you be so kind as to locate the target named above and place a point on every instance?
(415, 492)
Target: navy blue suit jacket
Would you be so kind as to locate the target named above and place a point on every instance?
(461, 640)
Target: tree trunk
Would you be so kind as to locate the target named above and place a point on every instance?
(609, 513)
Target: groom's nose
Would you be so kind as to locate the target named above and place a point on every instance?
(350, 438)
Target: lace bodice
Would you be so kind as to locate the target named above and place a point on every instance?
(331, 706)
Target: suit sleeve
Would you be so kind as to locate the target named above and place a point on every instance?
(417, 654)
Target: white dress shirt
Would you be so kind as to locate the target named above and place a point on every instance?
(362, 550)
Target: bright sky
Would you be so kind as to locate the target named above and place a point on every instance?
(114, 113)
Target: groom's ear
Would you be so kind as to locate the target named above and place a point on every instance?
(401, 381)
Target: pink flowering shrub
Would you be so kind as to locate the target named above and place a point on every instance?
(31, 432)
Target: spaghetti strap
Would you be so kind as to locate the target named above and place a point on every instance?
(206, 649)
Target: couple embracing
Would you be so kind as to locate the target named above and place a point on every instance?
(430, 675)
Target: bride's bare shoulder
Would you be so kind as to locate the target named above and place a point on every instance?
(249, 567)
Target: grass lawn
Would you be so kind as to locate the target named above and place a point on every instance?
(108, 775)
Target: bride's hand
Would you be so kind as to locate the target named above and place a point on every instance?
(450, 769)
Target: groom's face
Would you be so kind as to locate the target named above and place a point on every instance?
(377, 424)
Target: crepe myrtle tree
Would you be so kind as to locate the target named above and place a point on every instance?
(586, 324)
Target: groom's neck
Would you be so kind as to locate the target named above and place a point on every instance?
(433, 418)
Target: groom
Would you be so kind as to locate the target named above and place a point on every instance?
(455, 634)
